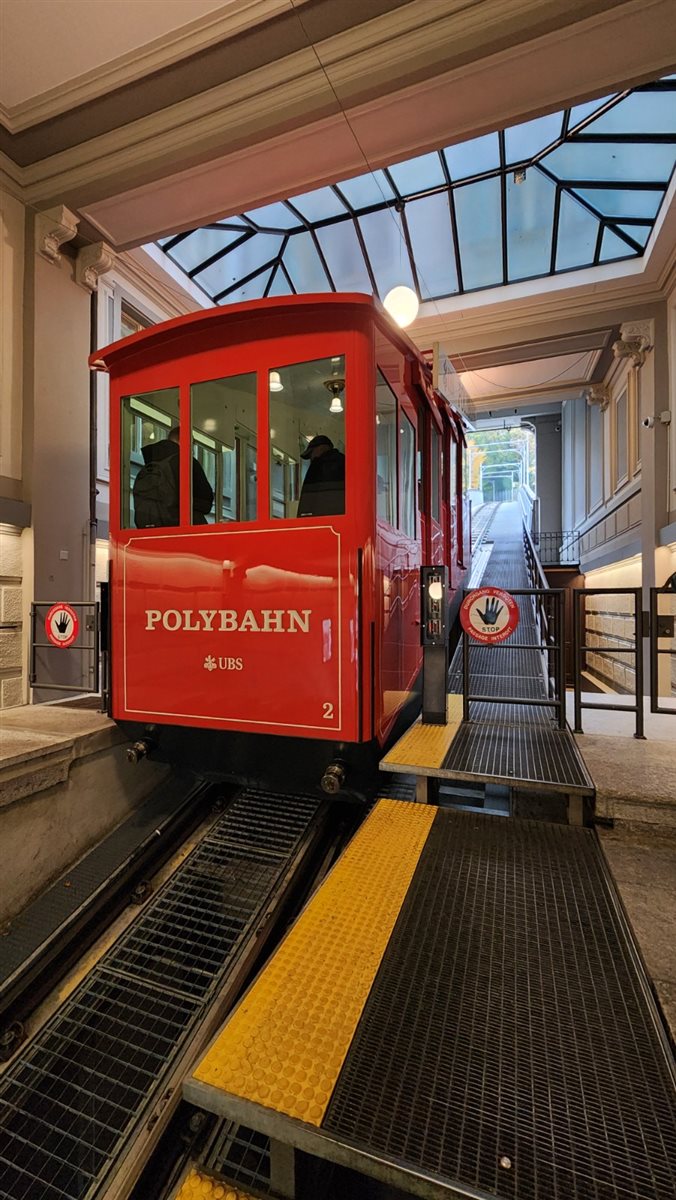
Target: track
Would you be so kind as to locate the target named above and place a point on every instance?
(76, 1095)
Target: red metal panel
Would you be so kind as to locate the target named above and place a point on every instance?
(250, 629)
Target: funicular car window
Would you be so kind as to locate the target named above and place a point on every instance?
(386, 451)
(224, 444)
(149, 477)
(307, 438)
(407, 476)
(435, 451)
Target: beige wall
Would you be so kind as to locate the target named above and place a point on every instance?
(12, 221)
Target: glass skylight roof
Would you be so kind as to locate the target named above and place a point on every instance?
(568, 190)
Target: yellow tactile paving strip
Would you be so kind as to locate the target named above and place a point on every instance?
(426, 745)
(286, 1042)
(197, 1186)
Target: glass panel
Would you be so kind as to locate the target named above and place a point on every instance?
(224, 422)
(418, 174)
(581, 111)
(524, 141)
(275, 216)
(407, 476)
(131, 322)
(429, 224)
(595, 419)
(613, 247)
(452, 470)
(641, 112)
(477, 209)
(340, 246)
(435, 450)
(386, 249)
(578, 231)
(319, 205)
(621, 161)
(304, 265)
(364, 190)
(474, 157)
(253, 290)
(200, 245)
(149, 490)
(280, 284)
(640, 233)
(251, 256)
(307, 438)
(621, 437)
(386, 451)
(622, 202)
(530, 217)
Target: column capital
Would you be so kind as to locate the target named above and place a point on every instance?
(636, 339)
(53, 227)
(93, 261)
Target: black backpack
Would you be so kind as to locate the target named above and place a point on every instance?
(156, 495)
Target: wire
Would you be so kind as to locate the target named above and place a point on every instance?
(389, 207)
(527, 387)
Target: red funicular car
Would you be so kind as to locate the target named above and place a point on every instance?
(265, 619)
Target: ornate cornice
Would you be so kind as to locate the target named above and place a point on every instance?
(156, 55)
(93, 261)
(598, 393)
(53, 228)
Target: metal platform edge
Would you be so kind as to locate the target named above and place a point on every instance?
(314, 1141)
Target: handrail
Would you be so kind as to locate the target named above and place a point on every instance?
(536, 575)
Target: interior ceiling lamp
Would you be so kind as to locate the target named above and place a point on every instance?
(276, 384)
(335, 386)
(402, 304)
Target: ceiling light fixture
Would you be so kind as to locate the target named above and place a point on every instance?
(276, 384)
(335, 386)
(402, 304)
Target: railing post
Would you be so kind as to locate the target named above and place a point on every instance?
(638, 640)
(561, 605)
(654, 656)
(32, 670)
(465, 676)
(577, 662)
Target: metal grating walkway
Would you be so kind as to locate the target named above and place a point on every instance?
(510, 1043)
(71, 1098)
(503, 743)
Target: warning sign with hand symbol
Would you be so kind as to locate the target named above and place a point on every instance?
(489, 614)
(62, 625)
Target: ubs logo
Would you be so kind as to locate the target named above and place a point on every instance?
(222, 664)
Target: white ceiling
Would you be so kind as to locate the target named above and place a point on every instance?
(519, 379)
(46, 43)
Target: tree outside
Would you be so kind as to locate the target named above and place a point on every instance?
(499, 461)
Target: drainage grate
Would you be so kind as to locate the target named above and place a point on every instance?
(69, 1101)
(240, 1155)
(509, 1043)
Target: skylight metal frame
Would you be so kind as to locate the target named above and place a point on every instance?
(274, 272)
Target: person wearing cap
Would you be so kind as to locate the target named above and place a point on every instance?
(323, 490)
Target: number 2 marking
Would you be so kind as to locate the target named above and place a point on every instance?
(328, 711)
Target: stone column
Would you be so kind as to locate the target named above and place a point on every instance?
(548, 477)
(58, 333)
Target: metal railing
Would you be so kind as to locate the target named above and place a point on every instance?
(86, 649)
(559, 549)
(551, 646)
(661, 628)
(580, 649)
